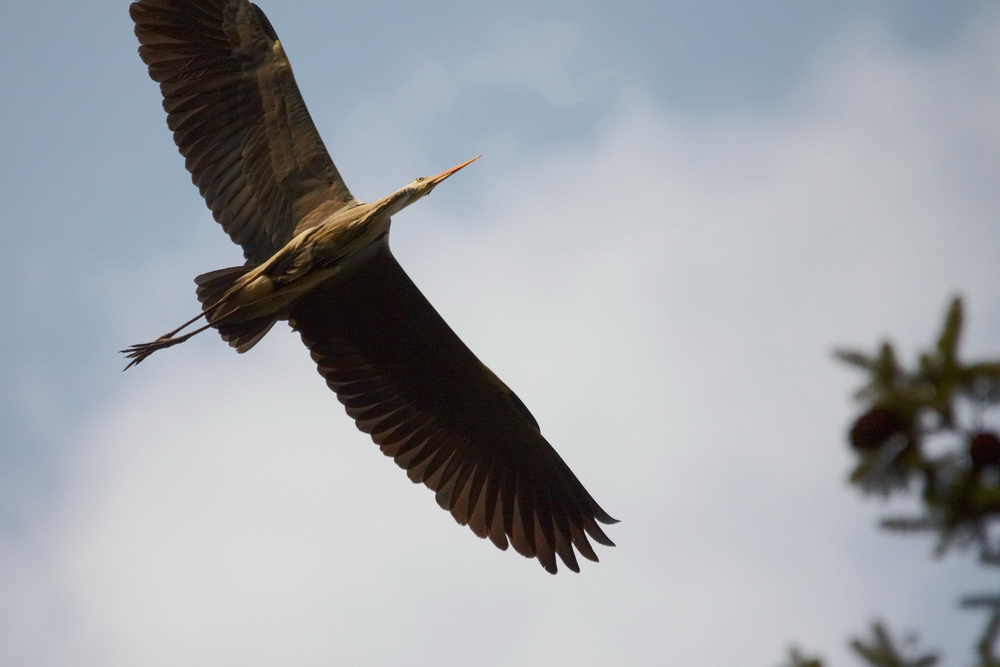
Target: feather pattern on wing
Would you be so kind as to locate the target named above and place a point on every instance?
(239, 119)
(429, 403)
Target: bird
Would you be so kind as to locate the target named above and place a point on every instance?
(318, 258)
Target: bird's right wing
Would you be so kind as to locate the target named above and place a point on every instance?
(428, 402)
(238, 118)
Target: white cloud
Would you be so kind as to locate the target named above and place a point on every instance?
(664, 300)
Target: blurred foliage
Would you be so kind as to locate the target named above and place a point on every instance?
(943, 401)
(924, 429)
(882, 651)
(797, 659)
(879, 651)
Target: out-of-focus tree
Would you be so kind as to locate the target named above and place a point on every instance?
(930, 430)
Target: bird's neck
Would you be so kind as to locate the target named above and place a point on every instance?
(394, 203)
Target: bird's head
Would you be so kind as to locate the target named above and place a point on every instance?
(422, 186)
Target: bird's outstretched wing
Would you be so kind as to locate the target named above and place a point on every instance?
(238, 118)
(408, 380)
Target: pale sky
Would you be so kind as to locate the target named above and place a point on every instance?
(681, 210)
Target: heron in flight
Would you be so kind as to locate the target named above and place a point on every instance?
(320, 259)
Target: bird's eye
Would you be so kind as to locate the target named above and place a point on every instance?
(420, 179)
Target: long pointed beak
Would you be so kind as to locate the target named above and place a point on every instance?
(434, 180)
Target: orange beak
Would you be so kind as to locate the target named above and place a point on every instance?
(434, 180)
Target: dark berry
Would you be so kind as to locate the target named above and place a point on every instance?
(984, 450)
(875, 427)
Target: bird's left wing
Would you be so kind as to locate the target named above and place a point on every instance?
(428, 402)
(238, 118)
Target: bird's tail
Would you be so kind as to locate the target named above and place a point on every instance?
(241, 334)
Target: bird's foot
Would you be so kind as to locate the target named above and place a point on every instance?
(139, 352)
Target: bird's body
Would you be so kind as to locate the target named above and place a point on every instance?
(319, 258)
(243, 302)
